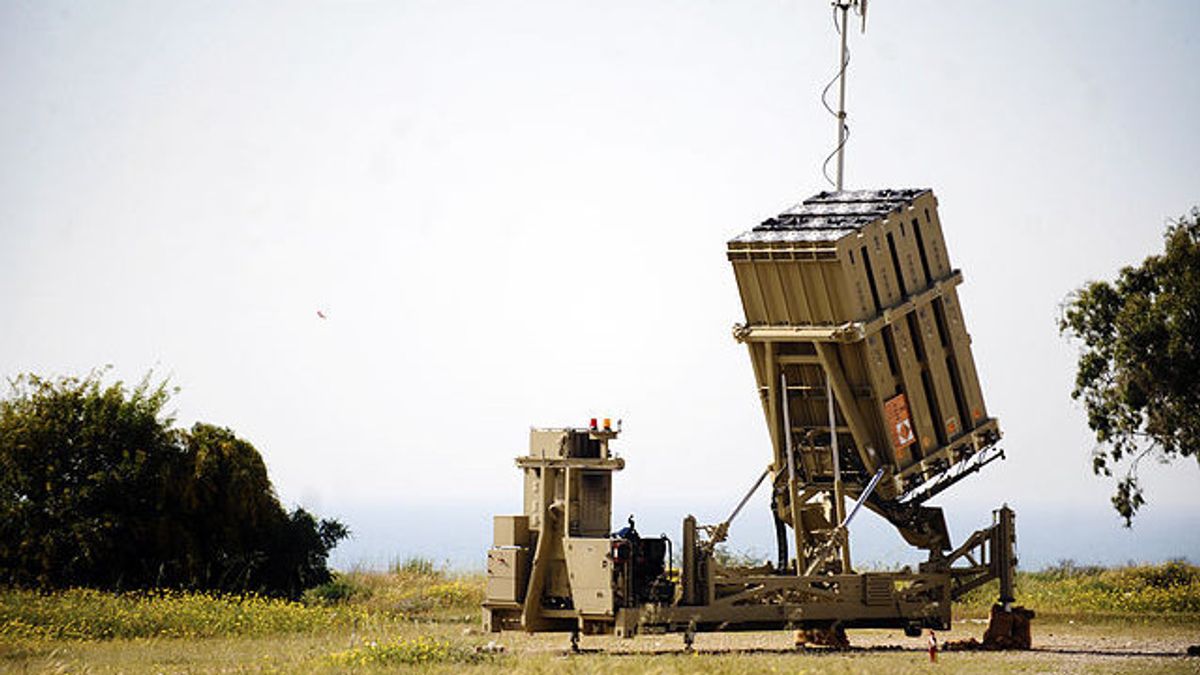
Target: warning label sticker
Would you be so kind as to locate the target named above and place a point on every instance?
(899, 421)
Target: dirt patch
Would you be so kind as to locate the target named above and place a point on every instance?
(1050, 643)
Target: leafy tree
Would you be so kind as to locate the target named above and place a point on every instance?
(98, 489)
(76, 460)
(1139, 369)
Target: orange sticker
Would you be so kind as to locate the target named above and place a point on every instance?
(951, 426)
(899, 421)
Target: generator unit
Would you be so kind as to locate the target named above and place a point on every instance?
(557, 566)
(863, 366)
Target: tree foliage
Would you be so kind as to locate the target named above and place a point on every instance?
(1139, 370)
(98, 489)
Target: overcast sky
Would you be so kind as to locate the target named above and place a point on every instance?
(515, 214)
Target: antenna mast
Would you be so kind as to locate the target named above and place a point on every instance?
(843, 133)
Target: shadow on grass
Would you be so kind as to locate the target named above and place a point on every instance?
(874, 649)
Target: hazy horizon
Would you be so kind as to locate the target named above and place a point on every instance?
(458, 539)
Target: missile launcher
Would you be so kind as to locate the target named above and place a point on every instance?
(863, 365)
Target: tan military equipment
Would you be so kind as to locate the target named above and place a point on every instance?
(851, 311)
(556, 567)
(863, 366)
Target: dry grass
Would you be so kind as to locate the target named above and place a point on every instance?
(419, 616)
(1083, 651)
(1166, 592)
(414, 589)
(82, 614)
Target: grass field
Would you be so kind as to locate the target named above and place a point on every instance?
(1132, 619)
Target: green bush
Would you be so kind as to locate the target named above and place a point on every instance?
(98, 489)
(339, 590)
